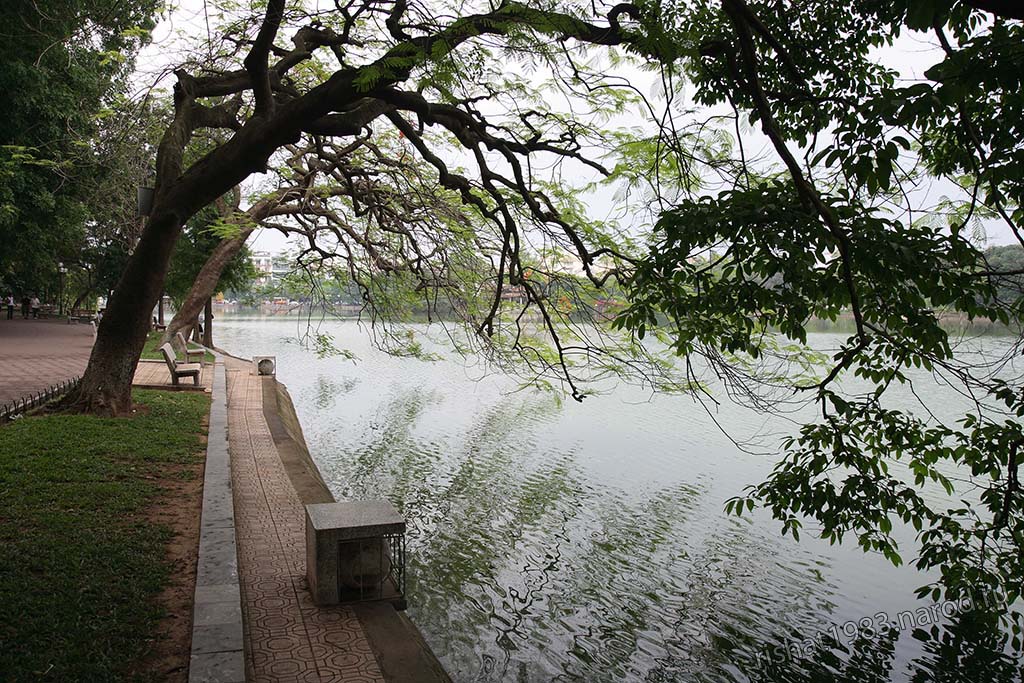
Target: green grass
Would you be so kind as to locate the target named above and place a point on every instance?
(80, 566)
(151, 350)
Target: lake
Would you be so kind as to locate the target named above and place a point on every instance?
(553, 540)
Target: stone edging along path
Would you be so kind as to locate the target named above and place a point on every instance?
(254, 619)
(217, 640)
(402, 654)
(287, 637)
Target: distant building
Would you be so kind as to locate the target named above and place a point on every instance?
(271, 267)
(263, 262)
(280, 267)
(514, 293)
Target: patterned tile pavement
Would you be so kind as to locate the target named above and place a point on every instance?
(35, 354)
(288, 638)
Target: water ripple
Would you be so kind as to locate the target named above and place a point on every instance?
(588, 543)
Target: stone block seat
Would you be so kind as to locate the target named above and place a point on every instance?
(179, 370)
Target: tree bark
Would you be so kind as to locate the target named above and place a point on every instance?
(79, 299)
(205, 284)
(208, 325)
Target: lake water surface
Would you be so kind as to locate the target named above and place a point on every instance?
(587, 542)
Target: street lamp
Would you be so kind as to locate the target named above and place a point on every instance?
(144, 201)
(145, 193)
(60, 298)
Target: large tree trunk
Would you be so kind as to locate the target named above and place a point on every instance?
(205, 284)
(106, 385)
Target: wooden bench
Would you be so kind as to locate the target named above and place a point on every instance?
(179, 370)
(189, 353)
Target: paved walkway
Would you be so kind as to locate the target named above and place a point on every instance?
(36, 354)
(288, 638)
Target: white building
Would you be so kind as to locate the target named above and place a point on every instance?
(271, 267)
(263, 262)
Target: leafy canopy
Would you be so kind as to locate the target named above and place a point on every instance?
(60, 63)
(831, 224)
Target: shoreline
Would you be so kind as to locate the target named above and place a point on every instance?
(399, 647)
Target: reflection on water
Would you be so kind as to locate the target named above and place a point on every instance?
(328, 392)
(588, 543)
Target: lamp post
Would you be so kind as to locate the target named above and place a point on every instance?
(60, 296)
(144, 201)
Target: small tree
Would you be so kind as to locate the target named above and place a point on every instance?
(199, 243)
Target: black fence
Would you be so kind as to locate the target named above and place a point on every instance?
(18, 406)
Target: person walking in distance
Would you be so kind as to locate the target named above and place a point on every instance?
(35, 306)
(9, 300)
(24, 306)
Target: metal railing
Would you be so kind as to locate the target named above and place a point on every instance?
(9, 411)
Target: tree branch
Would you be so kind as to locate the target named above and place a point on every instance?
(803, 186)
(256, 60)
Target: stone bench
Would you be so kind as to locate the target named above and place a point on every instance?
(186, 351)
(179, 370)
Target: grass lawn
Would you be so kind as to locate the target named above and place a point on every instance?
(81, 565)
(151, 350)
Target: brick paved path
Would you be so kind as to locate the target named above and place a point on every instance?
(287, 637)
(35, 354)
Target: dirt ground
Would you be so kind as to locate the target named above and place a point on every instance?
(178, 508)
